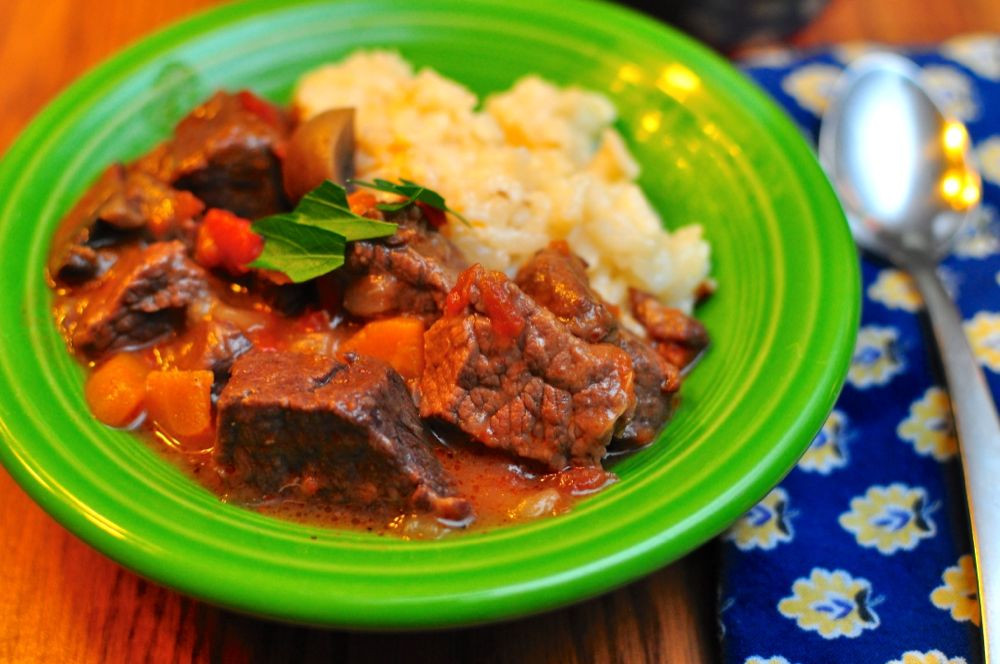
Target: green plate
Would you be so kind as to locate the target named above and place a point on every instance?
(714, 150)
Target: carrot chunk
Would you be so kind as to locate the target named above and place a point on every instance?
(116, 389)
(180, 402)
(399, 341)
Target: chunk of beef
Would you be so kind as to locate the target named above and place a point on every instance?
(342, 432)
(679, 337)
(557, 280)
(409, 272)
(656, 385)
(224, 153)
(124, 205)
(505, 371)
(80, 263)
(140, 299)
(143, 202)
(217, 350)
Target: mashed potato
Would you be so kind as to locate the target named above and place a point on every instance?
(536, 163)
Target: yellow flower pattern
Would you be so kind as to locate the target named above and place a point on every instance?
(876, 358)
(979, 237)
(828, 450)
(896, 290)
(811, 85)
(929, 426)
(980, 53)
(853, 554)
(833, 603)
(929, 657)
(988, 153)
(952, 90)
(984, 337)
(766, 525)
(890, 518)
(959, 593)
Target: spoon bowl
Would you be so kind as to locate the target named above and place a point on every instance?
(902, 169)
(908, 184)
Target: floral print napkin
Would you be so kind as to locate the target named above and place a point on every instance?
(862, 553)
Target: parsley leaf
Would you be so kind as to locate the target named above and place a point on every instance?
(301, 251)
(326, 206)
(412, 192)
(310, 241)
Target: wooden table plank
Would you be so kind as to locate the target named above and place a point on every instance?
(63, 602)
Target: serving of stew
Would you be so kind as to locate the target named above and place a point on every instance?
(385, 384)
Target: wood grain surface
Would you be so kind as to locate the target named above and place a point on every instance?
(60, 601)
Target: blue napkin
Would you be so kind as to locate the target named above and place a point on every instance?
(862, 553)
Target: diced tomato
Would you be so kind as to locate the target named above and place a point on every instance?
(458, 297)
(495, 299)
(435, 217)
(263, 109)
(227, 241)
(363, 202)
(206, 251)
(499, 307)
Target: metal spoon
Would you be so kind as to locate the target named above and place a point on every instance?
(907, 184)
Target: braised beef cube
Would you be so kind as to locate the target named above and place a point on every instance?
(409, 272)
(224, 153)
(340, 432)
(679, 337)
(557, 280)
(506, 372)
(656, 385)
(140, 299)
(79, 263)
(145, 202)
(125, 205)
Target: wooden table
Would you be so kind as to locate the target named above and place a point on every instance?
(60, 601)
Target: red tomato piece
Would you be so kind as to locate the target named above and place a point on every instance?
(263, 109)
(435, 217)
(227, 241)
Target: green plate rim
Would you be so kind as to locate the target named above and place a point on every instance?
(552, 586)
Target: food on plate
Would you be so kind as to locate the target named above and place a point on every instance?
(382, 308)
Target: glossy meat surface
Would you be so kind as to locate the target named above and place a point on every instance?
(345, 432)
(530, 388)
(141, 298)
(410, 272)
(557, 280)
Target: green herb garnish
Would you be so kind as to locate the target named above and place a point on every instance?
(412, 192)
(310, 241)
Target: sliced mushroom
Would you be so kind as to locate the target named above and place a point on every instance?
(321, 148)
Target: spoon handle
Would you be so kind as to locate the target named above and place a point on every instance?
(979, 439)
